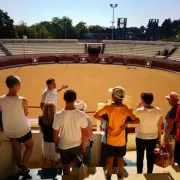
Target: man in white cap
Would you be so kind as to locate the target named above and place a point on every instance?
(170, 127)
(15, 124)
(81, 105)
(117, 114)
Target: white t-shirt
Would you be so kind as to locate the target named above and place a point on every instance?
(15, 123)
(69, 122)
(148, 126)
(49, 96)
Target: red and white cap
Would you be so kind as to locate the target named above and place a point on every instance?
(173, 96)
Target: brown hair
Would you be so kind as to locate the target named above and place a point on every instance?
(48, 113)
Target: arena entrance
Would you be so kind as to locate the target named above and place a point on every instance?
(94, 48)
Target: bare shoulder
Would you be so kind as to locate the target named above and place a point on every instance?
(24, 101)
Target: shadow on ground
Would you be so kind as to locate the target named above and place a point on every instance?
(158, 176)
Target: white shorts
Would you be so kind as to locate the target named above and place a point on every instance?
(48, 151)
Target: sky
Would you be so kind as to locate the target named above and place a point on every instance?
(93, 12)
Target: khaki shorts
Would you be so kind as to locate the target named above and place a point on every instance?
(171, 139)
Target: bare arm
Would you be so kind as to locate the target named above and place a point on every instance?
(168, 128)
(63, 87)
(25, 106)
(42, 106)
(85, 137)
(99, 118)
(90, 131)
(160, 131)
(136, 121)
(56, 138)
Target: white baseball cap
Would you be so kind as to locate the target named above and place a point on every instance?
(80, 105)
(118, 92)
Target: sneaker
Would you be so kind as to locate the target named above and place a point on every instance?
(119, 176)
(107, 175)
(23, 170)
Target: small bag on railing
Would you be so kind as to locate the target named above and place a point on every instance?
(162, 157)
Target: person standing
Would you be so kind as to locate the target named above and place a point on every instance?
(170, 127)
(117, 114)
(48, 147)
(81, 106)
(70, 131)
(177, 144)
(50, 93)
(15, 124)
(148, 131)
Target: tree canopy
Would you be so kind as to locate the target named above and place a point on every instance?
(61, 28)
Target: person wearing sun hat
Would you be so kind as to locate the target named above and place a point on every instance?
(117, 113)
(81, 105)
(170, 127)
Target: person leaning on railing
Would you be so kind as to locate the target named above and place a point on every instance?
(15, 124)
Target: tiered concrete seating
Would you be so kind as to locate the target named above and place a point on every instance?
(176, 55)
(44, 48)
(132, 49)
(2, 53)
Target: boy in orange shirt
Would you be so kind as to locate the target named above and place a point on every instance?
(117, 114)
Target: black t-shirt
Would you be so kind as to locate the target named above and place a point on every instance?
(172, 115)
(47, 130)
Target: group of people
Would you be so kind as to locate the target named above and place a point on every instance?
(67, 133)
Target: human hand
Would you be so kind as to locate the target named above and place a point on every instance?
(164, 142)
(140, 104)
(159, 142)
(65, 86)
(123, 127)
(83, 148)
(56, 149)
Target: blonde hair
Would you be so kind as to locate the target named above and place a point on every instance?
(48, 113)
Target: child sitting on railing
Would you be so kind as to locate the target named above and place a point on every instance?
(48, 146)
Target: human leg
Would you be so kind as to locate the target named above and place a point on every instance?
(140, 148)
(86, 156)
(42, 162)
(111, 154)
(28, 151)
(177, 154)
(16, 147)
(170, 147)
(150, 147)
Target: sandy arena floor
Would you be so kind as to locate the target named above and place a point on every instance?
(91, 82)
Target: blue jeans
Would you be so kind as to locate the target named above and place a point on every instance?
(87, 156)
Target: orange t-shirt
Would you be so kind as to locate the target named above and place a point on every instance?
(117, 116)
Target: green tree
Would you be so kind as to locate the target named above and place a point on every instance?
(96, 29)
(21, 29)
(167, 28)
(38, 31)
(81, 29)
(6, 25)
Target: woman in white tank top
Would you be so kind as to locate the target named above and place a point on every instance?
(15, 124)
(148, 131)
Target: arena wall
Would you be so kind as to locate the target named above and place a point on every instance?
(162, 64)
